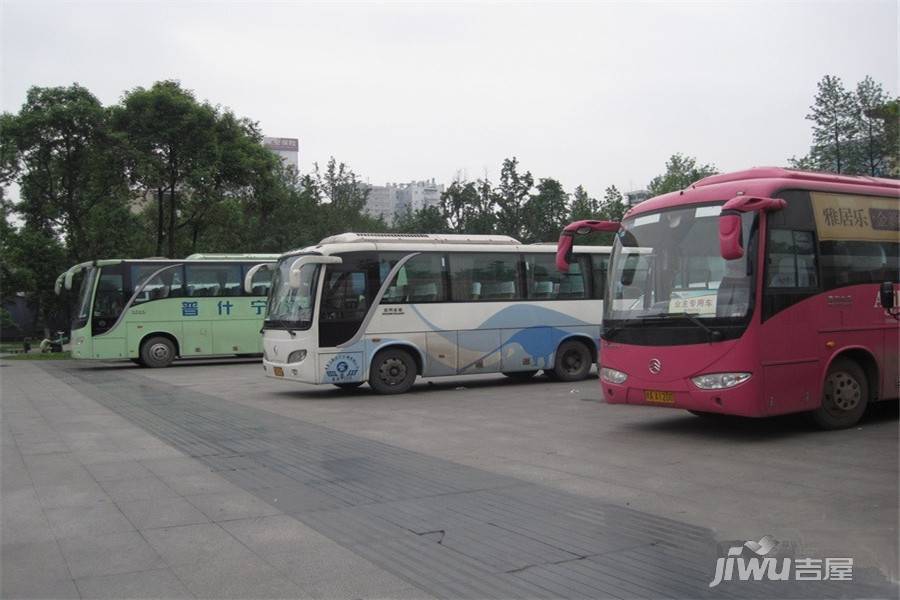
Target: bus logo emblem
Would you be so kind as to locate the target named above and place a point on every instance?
(655, 366)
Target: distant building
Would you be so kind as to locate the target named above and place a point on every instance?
(381, 201)
(636, 197)
(287, 148)
(392, 199)
(417, 195)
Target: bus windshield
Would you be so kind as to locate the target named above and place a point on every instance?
(668, 264)
(83, 308)
(292, 308)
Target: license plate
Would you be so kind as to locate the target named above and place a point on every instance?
(279, 372)
(659, 397)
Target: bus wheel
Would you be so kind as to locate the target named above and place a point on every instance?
(137, 361)
(520, 375)
(573, 361)
(393, 371)
(158, 352)
(844, 396)
(350, 385)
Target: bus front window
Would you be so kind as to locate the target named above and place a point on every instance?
(292, 308)
(667, 266)
(83, 308)
(109, 301)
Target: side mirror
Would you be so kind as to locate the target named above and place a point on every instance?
(57, 287)
(886, 295)
(567, 239)
(730, 243)
(251, 273)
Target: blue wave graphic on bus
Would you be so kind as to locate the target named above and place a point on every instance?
(540, 342)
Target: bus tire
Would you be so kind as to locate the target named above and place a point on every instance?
(137, 361)
(157, 352)
(845, 395)
(393, 371)
(520, 375)
(349, 385)
(573, 361)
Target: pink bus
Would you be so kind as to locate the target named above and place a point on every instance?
(757, 293)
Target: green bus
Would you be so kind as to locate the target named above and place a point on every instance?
(153, 311)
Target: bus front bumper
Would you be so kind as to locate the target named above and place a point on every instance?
(742, 399)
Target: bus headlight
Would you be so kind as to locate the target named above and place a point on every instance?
(612, 376)
(296, 356)
(719, 381)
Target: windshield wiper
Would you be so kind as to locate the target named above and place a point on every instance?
(714, 335)
(609, 331)
(279, 324)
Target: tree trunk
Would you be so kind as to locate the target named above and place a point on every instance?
(172, 218)
(160, 216)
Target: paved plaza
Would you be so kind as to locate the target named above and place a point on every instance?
(208, 480)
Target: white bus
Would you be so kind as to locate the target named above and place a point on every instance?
(386, 308)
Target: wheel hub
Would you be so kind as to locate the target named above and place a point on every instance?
(843, 391)
(393, 371)
(159, 351)
(572, 361)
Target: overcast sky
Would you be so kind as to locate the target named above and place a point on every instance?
(593, 94)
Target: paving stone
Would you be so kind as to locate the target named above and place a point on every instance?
(39, 588)
(187, 544)
(94, 519)
(23, 561)
(85, 493)
(143, 488)
(158, 583)
(199, 483)
(162, 512)
(109, 554)
(452, 530)
(279, 533)
(231, 506)
(118, 470)
(250, 578)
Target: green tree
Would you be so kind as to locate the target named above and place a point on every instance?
(428, 219)
(872, 148)
(187, 154)
(681, 172)
(583, 206)
(59, 150)
(889, 114)
(510, 195)
(468, 207)
(835, 124)
(545, 212)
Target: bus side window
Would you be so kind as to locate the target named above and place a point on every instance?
(791, 259)
(261, 282)
(212, 280)
(545, 282)
(167, 284)
(484, 277)
(599, 270)
(420, 279)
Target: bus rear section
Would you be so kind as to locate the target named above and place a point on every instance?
(387, 309)
(756, 294)
(154, 311)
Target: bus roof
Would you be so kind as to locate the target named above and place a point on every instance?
(232, 257)
(429, 242)
(767, 181)
(418, 238)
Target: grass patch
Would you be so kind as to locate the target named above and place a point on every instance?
(39, 356)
